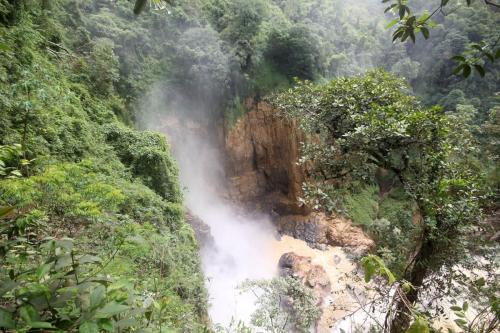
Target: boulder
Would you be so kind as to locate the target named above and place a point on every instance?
(311, 275)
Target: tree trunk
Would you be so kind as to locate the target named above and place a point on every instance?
(415, 275)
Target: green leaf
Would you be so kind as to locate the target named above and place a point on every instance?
(65, 243)
(111, 309)
(97, 296)
(419, 325)
(4, 47)
(392, 23)
(480, 282)
(88, 327)
(63, 261)
(480, 70)
(402, 10)
(136, 239)
(425, 32)
(41, 324)
(6, 320)
(87, 258)
(6, 286)
(477, 47)
(458, 58)
(43, 270)
(106, 324)
(467, 71)
(369, 268)
(16, 173)
(458, 69)
(126, 323)
(28, 314)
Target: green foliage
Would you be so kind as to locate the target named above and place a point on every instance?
(234, 111)
(147, 155)
(374, 265)
(10, 160)
(362, 205)
(157, 283)
(85, 245)
(368, 123)
(283, 305)
(103, 67)
(268, 79)
(205, 67)
(409, 24)
(294, 52)
(419, 325)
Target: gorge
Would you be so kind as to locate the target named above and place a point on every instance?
(249, 166)
(242, 187)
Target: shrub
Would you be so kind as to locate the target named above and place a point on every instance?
(147, 155)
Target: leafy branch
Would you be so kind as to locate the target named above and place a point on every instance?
(409, 25)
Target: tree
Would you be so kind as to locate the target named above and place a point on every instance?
(294, 52)
(283, 305)
(140, 5)
(371, 122)
(408, 24)
(103, 66)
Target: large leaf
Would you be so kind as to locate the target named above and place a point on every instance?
(88, 327)
(111, 309)
(42, 270)
(6, 320)
(106, 324)
(41, 324)
(29, 314)
(97, 296)
(420, 325)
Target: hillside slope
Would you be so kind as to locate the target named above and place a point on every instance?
(93, 235)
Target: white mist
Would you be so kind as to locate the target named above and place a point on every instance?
(243, 244)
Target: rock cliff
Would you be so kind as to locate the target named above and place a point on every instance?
(262, 154)
(262, 150)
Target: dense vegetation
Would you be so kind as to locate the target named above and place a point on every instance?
(368, 127)
(93, 235)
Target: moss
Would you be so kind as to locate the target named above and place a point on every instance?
(362, 205)
(234, 111)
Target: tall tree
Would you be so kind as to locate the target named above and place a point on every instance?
(367, 123)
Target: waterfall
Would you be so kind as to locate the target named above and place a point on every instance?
(242, 243)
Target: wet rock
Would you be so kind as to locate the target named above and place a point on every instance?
(262, 150)
(311, 275)
(201, 230)
(319, 229)
(307, 228)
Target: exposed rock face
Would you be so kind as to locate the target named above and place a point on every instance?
(201, 230)
(263, 149)
(311, 275)
(319, 229)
